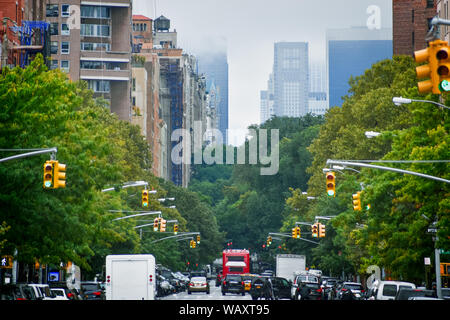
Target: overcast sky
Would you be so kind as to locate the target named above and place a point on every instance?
(248, 30)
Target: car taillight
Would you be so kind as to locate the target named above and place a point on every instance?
(344, 290)
(224, 283)
(204, 284)
(97, 293)
(21, 299)
(362, 290)
(191, 284)
(319, 290)
(243, 283)
(70, 295)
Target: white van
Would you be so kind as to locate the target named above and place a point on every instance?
(387, 290)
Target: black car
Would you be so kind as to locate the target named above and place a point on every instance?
(233, 283)
(91, 290)
(406, 293)
(308, 291)
(260, 288)
(19, 291)
(281, 288)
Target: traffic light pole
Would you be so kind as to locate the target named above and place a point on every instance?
(52, 152)
(366, 165)
(176, 236)
(131, 184)
(289, 236)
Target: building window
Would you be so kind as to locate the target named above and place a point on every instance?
(65, 47)
(54, 28)
(65, 31)
(54, 47)
(134, 84)
(65, 65)
(93, 46)
(65, 10)
(95, 30)
(99, 85)
(430, 3)
(95, 12)
(53, 64)
(52, 10)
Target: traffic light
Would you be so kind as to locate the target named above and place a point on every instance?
(298, 232)
(145, 198)
(294, 232)
(155, 224)
(48, 174)
(198, 239)
(192, 244)
(175, 229)
(59, 175)
(437, 69)
(357, 201)
(331, 184)
(315, 230)
(162, 225)
(321, 230)
(269, 240)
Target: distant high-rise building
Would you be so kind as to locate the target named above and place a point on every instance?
(215, 67)
(267, 102)
(349, 53)
(317, 97)
(291, 79)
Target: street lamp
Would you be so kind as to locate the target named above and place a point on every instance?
(400, 100)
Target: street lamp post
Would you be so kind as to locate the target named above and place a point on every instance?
(400, 100)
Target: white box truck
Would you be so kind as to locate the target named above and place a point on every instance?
(130, 277)
(288, 264)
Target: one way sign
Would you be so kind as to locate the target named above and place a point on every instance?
(6, 262)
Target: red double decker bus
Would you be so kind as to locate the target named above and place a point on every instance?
(235, 261)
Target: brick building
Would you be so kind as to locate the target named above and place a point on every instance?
(411, 20)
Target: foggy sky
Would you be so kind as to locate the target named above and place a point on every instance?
(248, 29)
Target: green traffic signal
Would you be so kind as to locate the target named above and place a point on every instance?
(444, 86)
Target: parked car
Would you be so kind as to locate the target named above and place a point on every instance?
(387, 290)
(42, 291)
(91, 290)
(72, 294)
(281, 288)
(59, 293)
(233, 283)
(20, 291)
(355, 288)
(424, 298)
(406, 293)
(198, 284)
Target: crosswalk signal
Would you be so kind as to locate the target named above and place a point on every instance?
(331, 184)
(145, 198)
(48, 174)
(155, 224)
(175, 229)
(59, 175)
(357, 201)
(321, 230)
(315, 230)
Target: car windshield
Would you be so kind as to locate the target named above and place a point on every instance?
(353, 286)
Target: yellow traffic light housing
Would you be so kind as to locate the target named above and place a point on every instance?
(294, 233)
(175, 229)
(198, 239)
(145, 198)
(315, 230)
(155, 224)
(162, 225)
(59, 175)
(48, 174)
(331, 184)
(298, 232)
(321, 230)
(357, 201)
(437, 70)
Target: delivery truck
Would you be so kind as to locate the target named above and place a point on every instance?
(130, 277)
(288, 264)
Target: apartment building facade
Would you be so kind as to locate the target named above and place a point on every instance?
(90, 40)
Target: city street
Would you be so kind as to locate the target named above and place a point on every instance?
(215, 294)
